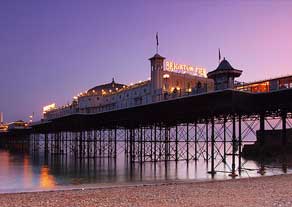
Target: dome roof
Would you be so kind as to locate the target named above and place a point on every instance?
(106, 87)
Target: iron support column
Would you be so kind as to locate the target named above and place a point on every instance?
(284, 142)
(239, 144)
(224, 138)
(115, 147)
(262, 143)
(233, 174)
(187, 142)
(176, 144)
(212, 146)
(284, 131)
(207, 141)
(141, 145)
(155, 133)
(196, 141)
(131, 145)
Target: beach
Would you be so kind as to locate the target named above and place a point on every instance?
(260, 191)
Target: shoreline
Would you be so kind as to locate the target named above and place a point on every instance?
(93, 186)
(254, 191)
(89, 186)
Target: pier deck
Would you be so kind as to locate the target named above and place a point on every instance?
(180, 110)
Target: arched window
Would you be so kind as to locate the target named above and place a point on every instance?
(199, 85)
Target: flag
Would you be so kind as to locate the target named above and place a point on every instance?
(219, 55)
(157, 43)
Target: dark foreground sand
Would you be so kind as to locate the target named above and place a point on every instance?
(264, 191)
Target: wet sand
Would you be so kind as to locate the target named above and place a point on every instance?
(261, 191)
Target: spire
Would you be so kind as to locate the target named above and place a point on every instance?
(113, 80)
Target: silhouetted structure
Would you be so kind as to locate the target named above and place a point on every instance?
(224, 75)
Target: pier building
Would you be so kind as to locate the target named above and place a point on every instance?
(168, 80)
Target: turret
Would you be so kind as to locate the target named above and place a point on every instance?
(156, 63)
(224, 75)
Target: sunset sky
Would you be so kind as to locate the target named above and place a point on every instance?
(50, 50)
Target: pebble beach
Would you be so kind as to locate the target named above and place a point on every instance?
(260, 191)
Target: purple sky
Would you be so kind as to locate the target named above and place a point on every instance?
(51, 50)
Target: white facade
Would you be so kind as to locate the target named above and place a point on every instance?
(130, 96)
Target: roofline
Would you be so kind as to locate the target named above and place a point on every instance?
(102, 85)
(264, 80)
(217, 72)
(157, 57)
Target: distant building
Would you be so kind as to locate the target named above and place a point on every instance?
(17, 125)
(168, 80)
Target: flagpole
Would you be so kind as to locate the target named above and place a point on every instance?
(157, 43)
(219, 55)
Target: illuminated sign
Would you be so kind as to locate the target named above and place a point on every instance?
(182, 68)
(49, 107)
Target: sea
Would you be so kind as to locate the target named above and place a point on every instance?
(26, 172)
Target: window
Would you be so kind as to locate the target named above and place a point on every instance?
(189, 85)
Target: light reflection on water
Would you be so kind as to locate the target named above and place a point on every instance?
(23, 172)
(46, 180)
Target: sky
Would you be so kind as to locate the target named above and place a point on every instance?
(51, 50)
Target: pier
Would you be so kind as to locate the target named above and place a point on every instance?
(212, 127)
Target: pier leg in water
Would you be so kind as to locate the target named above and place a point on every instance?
(176, 143)
(224, 139)
(239, 144)
(188, 142)
(115, 144)
(151, 143)
(131, 146)
(141, 145)
(233, 174)
(212, 172)
(284, 142)
(165, 144)
(262, 144)
(196, 140)
(207, 142)
(155, 143)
